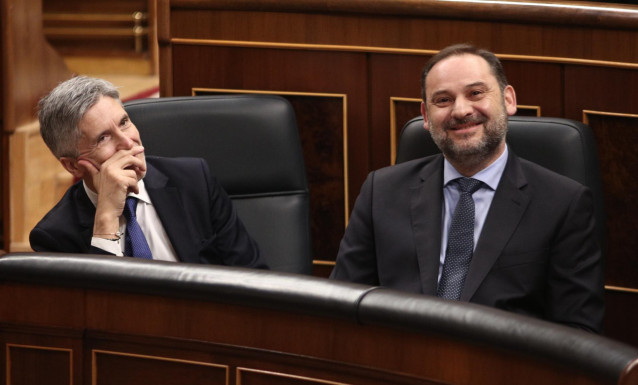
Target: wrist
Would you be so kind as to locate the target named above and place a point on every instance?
(115, 236)
(110, 230)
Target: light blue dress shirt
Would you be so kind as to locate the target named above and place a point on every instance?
(490, 176)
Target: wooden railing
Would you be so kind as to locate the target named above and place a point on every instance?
(67, 319)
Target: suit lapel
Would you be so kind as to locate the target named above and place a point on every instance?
(170, 209)
(505, 212)
(86, 214)
(426, 208)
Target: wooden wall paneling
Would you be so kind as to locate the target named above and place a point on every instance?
(40, 354)
(620, 315)
(34, 305)
(393, 77)
(54, 365)
(109, 367)
(322, 123)
(26, 53)
(616, 136)
(265, 330)
(88, 33)
(152, 40)
(600, 88)
(524, 77)
(246, 344)
(247, 376)
(96, 6)
(524, 110)
(164, 47)
(30, 68)
(41, 328)
(246, 365)
(530, 29)
(402, 110)
(226, 324)
(37, 183)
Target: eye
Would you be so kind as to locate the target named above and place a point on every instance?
(442, 101)
(102, 138)
(476, 94)
(125, 122)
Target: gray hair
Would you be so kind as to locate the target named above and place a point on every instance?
(61, 111)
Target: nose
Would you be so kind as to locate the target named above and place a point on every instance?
(462, 108)
(123, 141)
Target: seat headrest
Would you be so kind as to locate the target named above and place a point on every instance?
(251, 142)
(561, 145)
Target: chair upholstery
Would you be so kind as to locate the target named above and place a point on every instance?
(252, 145)
(561, 145)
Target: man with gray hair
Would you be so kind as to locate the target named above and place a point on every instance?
(124, 202)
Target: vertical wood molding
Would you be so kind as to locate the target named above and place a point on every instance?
(616, 135)
(54, 375)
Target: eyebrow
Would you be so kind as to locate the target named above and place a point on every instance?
(477, 84)
(469, 86)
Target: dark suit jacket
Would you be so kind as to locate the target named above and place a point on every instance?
(196, 213)
(537, 253)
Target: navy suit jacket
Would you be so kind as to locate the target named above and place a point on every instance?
(537, 253)
(196, 213)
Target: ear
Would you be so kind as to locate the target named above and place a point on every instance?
(72, 166)
(509, 97)
(424, 112)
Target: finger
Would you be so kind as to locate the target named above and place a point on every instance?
(125, 160)
(131, 180)
(137, 150)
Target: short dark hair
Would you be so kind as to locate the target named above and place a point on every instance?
(463, 49)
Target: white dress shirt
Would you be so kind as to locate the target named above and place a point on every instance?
(490, 176)
(149, 222)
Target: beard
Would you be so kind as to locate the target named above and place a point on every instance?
(469, 150)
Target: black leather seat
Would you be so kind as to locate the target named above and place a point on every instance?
(562, 145)
(252, 145)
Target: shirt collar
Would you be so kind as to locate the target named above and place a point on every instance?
(490, 175)
(142, 195)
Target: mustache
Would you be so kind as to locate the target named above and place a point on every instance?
(453, 123)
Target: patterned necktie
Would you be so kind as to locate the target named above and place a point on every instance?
(135, 244)
(460, 244)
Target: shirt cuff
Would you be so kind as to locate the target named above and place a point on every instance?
(110, 246)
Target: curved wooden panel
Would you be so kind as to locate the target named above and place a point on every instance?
(158, 321)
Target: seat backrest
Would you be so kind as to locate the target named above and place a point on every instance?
(561, 145)
(251, 144)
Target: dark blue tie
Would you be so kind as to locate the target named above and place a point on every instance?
(135, 244)
(460, 244)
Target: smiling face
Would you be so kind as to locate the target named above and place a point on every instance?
(104, 129)
(466, 112)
